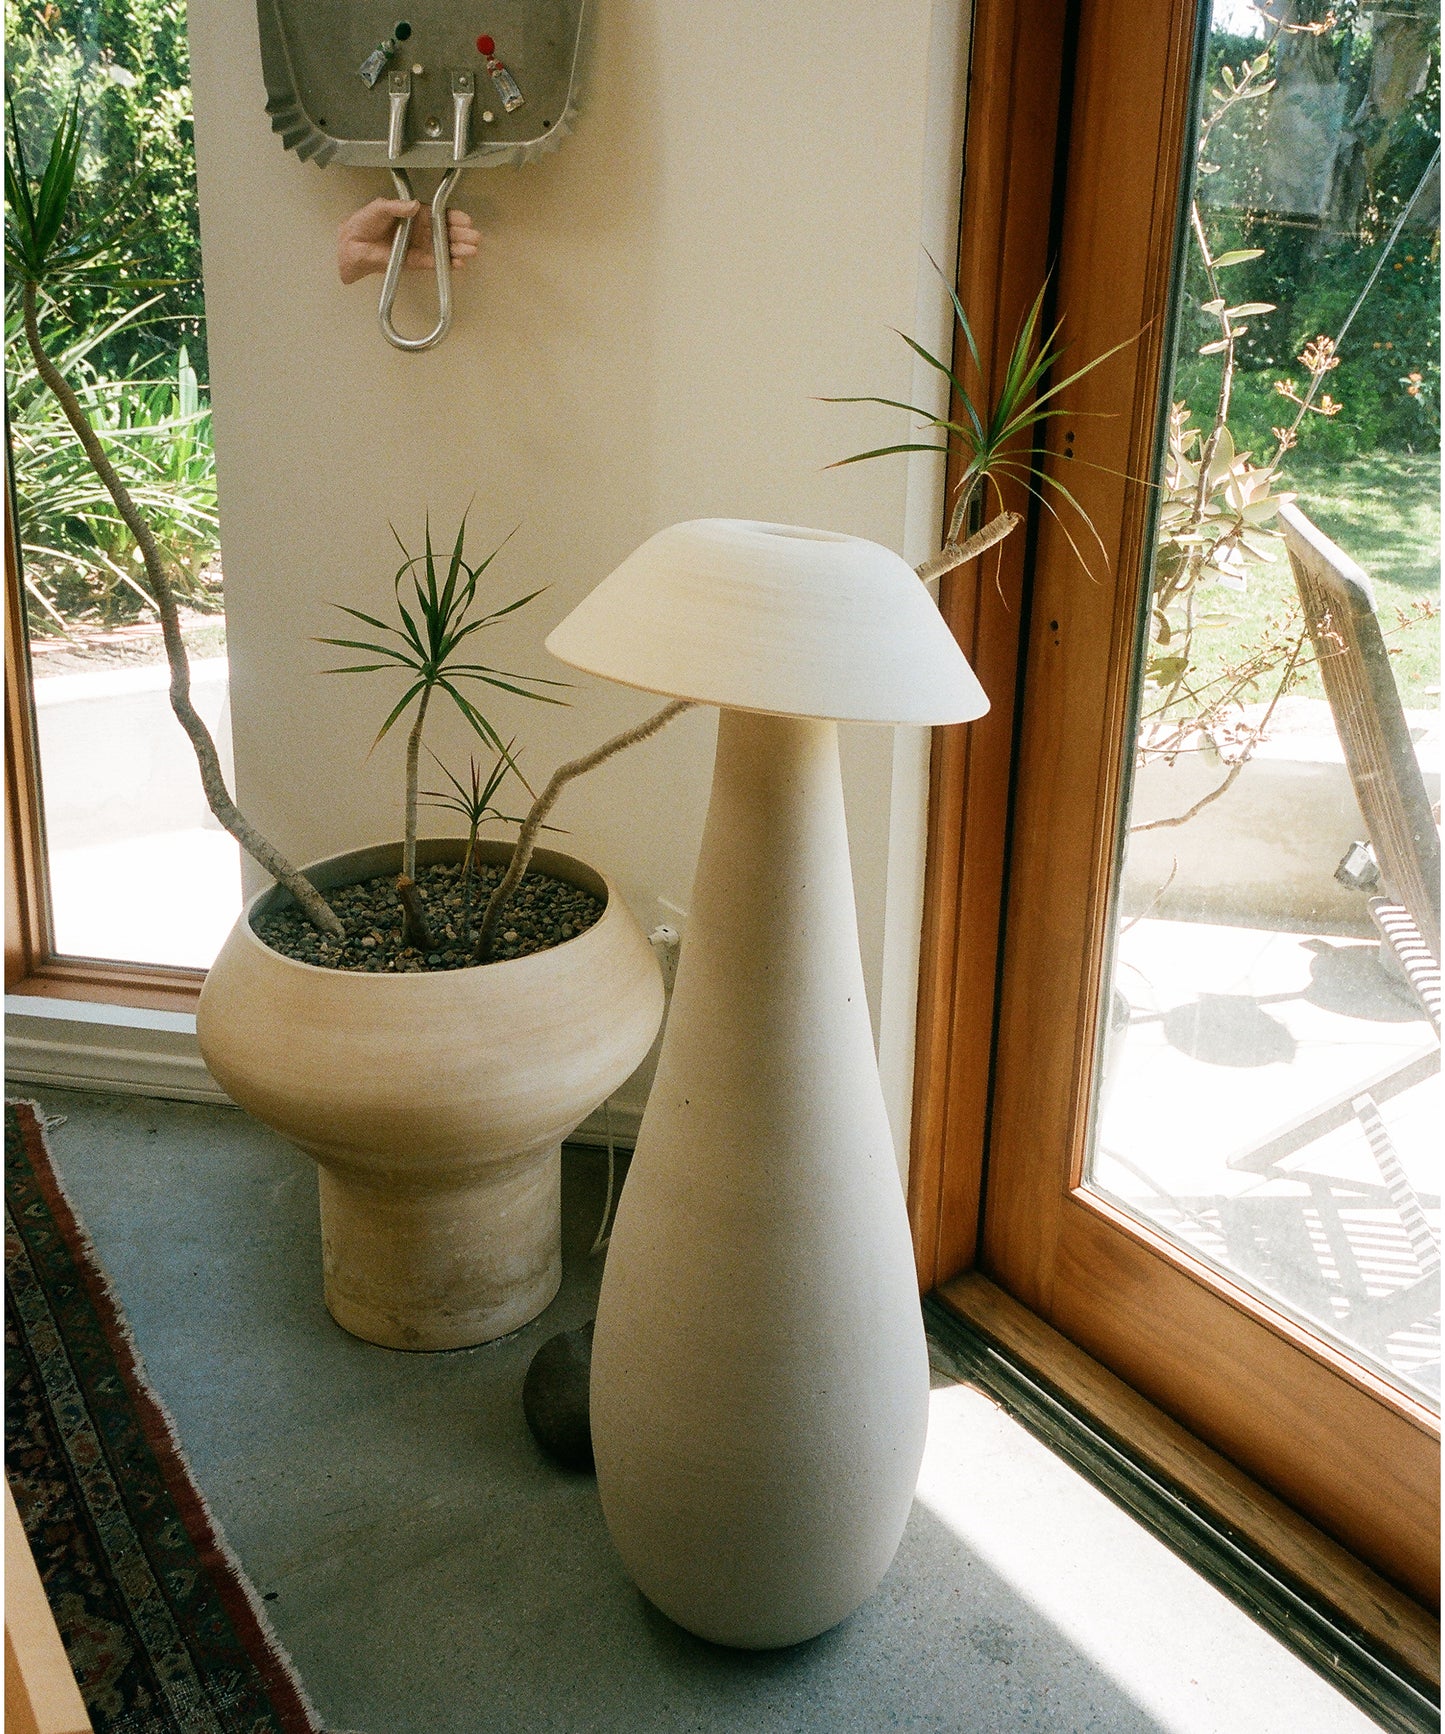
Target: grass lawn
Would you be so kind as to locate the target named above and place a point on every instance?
(1384, 511)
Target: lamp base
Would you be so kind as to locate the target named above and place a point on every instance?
(759, 1387)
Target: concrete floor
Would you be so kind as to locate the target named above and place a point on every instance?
(431, 1573)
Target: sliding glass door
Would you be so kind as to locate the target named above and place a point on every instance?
(1215, 1099)
(1269, 1079)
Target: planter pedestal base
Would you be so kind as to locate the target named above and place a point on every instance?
(445, 1268)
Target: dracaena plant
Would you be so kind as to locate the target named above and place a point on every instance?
(59, 241)
(475, 801)
(474, 798)
(997, 437)
(431, 644)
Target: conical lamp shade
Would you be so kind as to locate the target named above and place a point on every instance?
(769, 617)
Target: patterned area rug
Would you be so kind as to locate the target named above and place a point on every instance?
(164, 1633)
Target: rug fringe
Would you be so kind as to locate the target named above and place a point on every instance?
(213, 1534)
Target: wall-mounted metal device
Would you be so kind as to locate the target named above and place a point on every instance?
(421, 84)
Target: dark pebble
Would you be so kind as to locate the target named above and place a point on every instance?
(555, 1398)
(543, 912)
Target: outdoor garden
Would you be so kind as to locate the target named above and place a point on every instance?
(1307, 356)
(136, 356)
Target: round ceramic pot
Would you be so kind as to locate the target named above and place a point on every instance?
(435, 1103)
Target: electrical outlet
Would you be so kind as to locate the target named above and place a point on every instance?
(666, 941)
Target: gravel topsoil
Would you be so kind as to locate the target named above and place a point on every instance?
(542, 912)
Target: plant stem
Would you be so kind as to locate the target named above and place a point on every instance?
(967, 509)
(418, 931)
(413, 760)
(213, 780)
(469, 864)
(959, 553)
(527, 838)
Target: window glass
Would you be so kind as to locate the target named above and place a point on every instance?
(139, 870)
(1269, 1079)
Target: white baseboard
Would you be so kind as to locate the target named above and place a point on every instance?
(626, 1119)
(77, 1045)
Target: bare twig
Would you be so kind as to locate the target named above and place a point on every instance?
(954, 554)
(1246, 754)
(564, 774)
(1152, 904)
(212, 779)
(1199, 806)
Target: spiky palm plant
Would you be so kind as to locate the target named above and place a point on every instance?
(56, 244)
(426, 646)
(473, 800)
(997, 440)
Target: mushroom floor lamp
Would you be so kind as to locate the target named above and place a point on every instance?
(759, 1386)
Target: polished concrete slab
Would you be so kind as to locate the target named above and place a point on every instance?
(431, 1573)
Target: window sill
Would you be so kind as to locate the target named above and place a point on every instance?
(1375, 1642)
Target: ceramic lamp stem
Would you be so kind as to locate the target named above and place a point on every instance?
(759, 1375)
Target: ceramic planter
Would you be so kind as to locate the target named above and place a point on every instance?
(435, 1103)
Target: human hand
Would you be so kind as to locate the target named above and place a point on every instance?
(363, 243)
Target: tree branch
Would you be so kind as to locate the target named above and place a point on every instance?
(1245, 756)
(564, 774)
(212, 779)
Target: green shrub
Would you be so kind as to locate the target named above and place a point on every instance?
(131, 63)
(79, 557)
(1312, 268)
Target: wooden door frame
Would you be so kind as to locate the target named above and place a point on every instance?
(1020, 931)
(1017, 94)
(31, 963)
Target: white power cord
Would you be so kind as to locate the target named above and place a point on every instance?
(600, 1243)
(666, 941)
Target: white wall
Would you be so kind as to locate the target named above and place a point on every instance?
(731, 232)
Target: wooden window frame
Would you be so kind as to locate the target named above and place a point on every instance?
(32, 965)
(1016, 88)
(1006, 1035)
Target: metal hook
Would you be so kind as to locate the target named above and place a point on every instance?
(441, 258)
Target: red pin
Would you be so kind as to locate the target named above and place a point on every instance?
(486, 46)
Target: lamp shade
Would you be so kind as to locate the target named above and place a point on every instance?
(770, 617)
